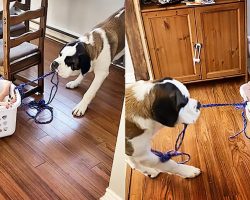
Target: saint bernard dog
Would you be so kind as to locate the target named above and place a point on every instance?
(151, 105)
(94, 52)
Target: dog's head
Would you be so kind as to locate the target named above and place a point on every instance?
(166, 101)
(72, 60)
(172, 103)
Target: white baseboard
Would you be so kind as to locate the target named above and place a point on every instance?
(110, 195)
(55, 35)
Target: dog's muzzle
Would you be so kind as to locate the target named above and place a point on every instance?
(54, 66)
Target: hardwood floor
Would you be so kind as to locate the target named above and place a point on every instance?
(225, 164)
(71, 158)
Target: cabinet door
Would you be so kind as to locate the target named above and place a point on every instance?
(171, 36)
(221, 31)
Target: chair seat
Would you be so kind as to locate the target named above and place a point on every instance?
(18, 52)
(14, 28)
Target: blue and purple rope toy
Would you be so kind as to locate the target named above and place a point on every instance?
(41, 105)
(164, 157)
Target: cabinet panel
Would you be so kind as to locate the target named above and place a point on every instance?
(221, 30)
(171, 36)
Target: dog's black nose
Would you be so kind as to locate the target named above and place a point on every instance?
(54, 65)
(198, 105)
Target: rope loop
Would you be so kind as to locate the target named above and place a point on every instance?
(41, 105)
(164, 157)
(239, 106)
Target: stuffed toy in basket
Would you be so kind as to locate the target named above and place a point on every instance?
(10, 99)
(245, 93)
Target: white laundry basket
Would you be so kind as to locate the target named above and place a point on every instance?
(8, 116)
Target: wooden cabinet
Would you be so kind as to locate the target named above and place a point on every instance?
(171, 36)
(221, 30)
(197, 43)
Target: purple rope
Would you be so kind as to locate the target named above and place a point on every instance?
(240, 106)
(21, 86)
(41, 105)
(164, 157)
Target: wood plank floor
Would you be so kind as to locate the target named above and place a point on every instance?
(71, 158)
(225, 164)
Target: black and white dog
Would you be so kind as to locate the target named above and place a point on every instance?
(94, 52)
(151, 105)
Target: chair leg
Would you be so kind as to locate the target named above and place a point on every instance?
(12, 78)
(41, 73)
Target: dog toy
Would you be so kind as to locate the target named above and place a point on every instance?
(241, 106)
(164, 157)
(41, 105)
(245, 93)
(6, 99)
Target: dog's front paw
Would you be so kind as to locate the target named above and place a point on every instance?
(189, 171)
(72, 84)
(79, 110)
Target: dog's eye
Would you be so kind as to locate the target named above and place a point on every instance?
(60, 54)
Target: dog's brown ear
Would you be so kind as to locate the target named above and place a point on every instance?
(84, 62)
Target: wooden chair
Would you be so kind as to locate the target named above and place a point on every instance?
(17, 53)
(18, 29)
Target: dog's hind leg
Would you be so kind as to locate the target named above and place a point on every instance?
(81, 107)
(75, 83)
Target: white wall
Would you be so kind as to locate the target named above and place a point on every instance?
(130, 73)
(78, 16)
(116, 189)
